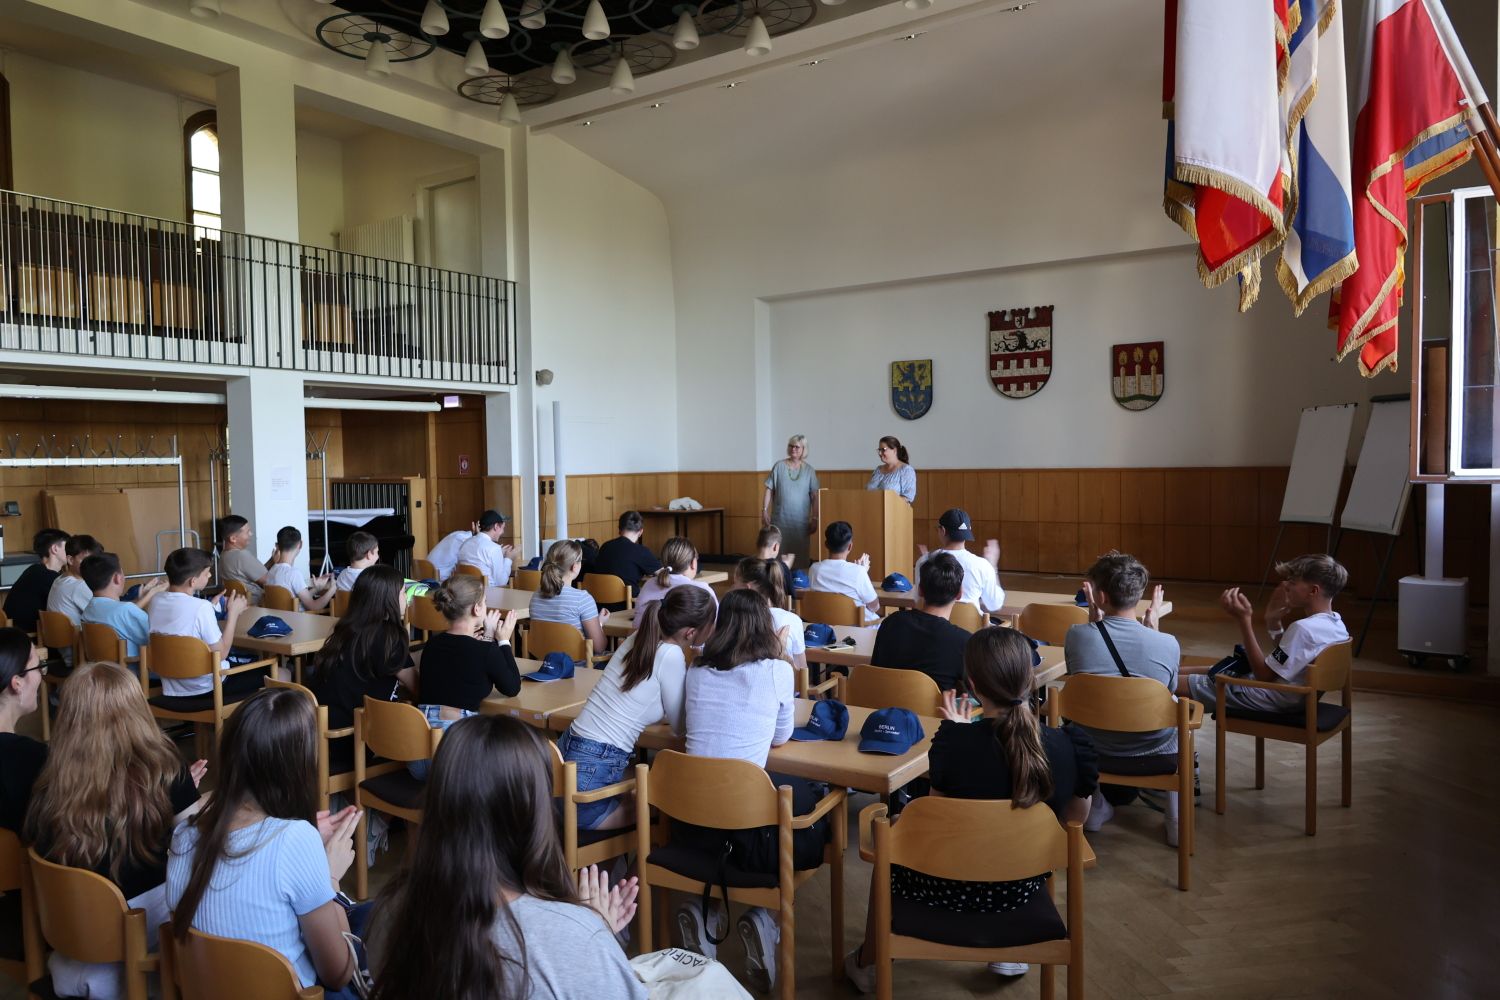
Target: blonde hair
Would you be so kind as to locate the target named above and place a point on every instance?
(676, 556)
(457, 597)
(560, 558)
(796, 439)
(105, 791)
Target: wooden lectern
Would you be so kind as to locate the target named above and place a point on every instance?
(882, 527)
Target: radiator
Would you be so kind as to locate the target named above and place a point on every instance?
(391, 239)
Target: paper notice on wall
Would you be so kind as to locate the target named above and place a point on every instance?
(282, 486)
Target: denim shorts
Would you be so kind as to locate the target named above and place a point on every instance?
(419, 768)
(598, 764)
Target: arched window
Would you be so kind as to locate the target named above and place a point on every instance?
(201, 147)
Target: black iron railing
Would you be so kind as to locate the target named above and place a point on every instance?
(80, 280)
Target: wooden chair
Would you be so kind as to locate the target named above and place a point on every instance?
(732, 795)
(1049, 623)
(1313, 726)
(1138, 705)
(236, 587)
(85, 917)
(587, 847)
(275, 598)
(205, 967)
(330, 783)
(829, 608)
(399, 733)
(340, 605)
(101, 643)
(968, 617)
(55, 630)
(424, 616)
(527, 579)
(421, 569)
(559, 637)
(890, 687)
(464, 569)
(606, 588)
(981, 840)
(15, 883)
(184, 657)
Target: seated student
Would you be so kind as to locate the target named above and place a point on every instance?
(363, 551)
(366, 656)
(69, 594)
(767, 577)
(741, 698)
(260, 863)
(21, 757)
(559, 601)
(106, 801)
(128, 618)
(1302, 623)
(679, 567)
(923, 637)
(838, 574)
(444, 555)
(1114, 586)
(311, 596)
(644, 683)
(28, 596)
(483, 550)
(768, 546)
(236, 561)
(981, 576)
(178, 611)
(487, 906)
(625, 556)
(1006, 754)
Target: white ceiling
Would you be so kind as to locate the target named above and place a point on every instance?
(964, 76)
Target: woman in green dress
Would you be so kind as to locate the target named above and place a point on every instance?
(791, 489)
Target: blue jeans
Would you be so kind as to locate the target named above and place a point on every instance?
(598, 764)
(419, 768)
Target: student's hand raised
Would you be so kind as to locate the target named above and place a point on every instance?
(507, 627)
(197, 769)
(992, 550)
(339, 848)
(150, 589)
(489, 625)
(1096, 613)
(1153, 613)
(234, 604)
(788, 558)
(864, 559)
(956, 707)
(921, 550)
(616, 905)
(473, 527)
(1236, 605)
(507, 550)
(328, 823)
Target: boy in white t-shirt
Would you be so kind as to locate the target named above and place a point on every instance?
(179, 611)
(285, 573)
(363, 550)
(485, 552)
(1302, 623)
(981, 572)
(838, 574)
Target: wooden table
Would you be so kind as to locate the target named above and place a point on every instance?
(680, 519)
(517, 602)
(309, 632)
(1051, 668)
(539, 701)
(1015, 600)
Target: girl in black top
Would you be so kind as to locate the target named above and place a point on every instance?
(461, 666)
(367, 655)
(21, 757)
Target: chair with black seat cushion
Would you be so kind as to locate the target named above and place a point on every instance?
(332, 779)
(205, 967)
(587, 847)
(398, 733)
(981, 840)
(731, 795)
(1314, 724)
(184, 657)
(84, 916)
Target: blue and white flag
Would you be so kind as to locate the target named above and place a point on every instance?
(1319, 250)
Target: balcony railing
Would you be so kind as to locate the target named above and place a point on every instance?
(95, 282)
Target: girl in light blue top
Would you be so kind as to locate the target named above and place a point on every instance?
(893, 473)
(559, 601)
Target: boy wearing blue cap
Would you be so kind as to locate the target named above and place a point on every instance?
(923, 638)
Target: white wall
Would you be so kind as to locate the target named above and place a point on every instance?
(320, 188)
(602, 314)
(381, 171)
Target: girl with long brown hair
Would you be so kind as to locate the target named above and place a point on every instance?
(559, 601)
(767, 577)
(643, 684)
(1006, 754)
(487, 907)
(106, 800)
(679, 567)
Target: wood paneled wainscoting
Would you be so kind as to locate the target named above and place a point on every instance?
(1210, 524)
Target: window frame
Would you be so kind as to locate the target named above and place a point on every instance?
(196, 122)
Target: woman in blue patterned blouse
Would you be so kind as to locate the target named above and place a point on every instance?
(893, 473)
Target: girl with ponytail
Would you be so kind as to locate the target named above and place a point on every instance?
(767, 577)
(559, 601)
(642, 684)
(679, 566)
(1005, 754)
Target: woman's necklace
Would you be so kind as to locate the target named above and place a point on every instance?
(790, 474)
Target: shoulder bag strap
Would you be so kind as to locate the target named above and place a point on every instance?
(1104, 633)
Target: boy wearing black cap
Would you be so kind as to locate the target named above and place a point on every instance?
(485, 552)
(923, 638)
(981, 573)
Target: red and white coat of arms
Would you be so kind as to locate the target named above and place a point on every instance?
(1020, 350)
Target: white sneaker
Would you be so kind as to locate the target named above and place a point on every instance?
(862, 976)
(694, 933)
(761, 935)
(1009, 968)
(1100, 812)
(377, 836)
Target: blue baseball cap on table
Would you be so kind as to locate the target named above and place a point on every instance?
(896, 583)
(829, 721)
(798, 582)
(555, 667)
(818, 634)
(890, 730)
(269, 627)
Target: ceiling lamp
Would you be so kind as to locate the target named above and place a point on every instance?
(595, 24)
(510, 111)
(533, 15)
(204, 8)
(476, 63)
(492, 23)
(563, 70)
(917, 4)
(832, 3)
(685, 36)
(621, 81)
(377, 60)
(758, 40)
(434, 19)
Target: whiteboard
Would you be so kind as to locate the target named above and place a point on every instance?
(1312, 489)
(1381, 487)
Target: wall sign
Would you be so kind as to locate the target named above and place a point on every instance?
(1020, 350)
(463, 465)
(911, 388)
(1137, 374)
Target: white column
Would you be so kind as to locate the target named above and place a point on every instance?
(258, 152)
(267, 449)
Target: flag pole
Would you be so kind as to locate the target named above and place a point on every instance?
(1488, 131)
